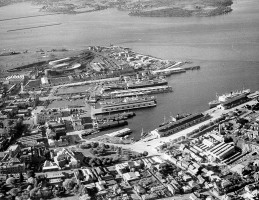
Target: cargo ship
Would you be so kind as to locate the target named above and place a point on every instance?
(174, 119)
(89, 132)
(120, 133)
(114, 86)
(125, 104)
(109, 124)
(115, 117)
(137, 92)
(226, 97)
(146, 83)
(119, 94)
(135, 83)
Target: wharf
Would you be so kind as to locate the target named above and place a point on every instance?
(192, 68)
(138, 91)
(150, 145)
(169, 71)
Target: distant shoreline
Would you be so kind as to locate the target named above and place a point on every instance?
(178, 12)
(153, 8)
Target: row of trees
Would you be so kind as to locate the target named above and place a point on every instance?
(95, 145)
(102, 161)
(72, 186)
(14, 129)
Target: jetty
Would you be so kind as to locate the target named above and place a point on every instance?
(32, 27)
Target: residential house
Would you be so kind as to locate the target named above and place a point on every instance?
(130, 176)
(50, 166)
(13, 166)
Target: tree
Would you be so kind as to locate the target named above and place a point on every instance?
(145, 153)
(94, 144)
(69, 184)
(92, 164)
(142, 164)
(228, 139)
(103, 161)
(95, 152)
(108, 161)
(102, 145)
(115, 159)
(140, 155)
(33, 193)
(92, 192)
(119, 151)
(85, 146)
(76, 189)
(98, 162)
(30, 173)
(111, 147)
(101, 151)
(86, 160)
(127, 157)
(21, 178)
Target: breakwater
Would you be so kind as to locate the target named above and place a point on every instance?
(32, 27)
(30, 16)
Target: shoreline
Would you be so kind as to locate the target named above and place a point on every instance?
(178, 12)
(141, 9)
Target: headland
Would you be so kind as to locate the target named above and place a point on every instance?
(168, 8)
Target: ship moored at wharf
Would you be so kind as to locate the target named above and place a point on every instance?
(125, 104)
(136, 92)
(120, 133)
(145, 83)
(134, 83)
(227, 97)
(115, 116)
(108, 124)
(178, 125)
(169, 71)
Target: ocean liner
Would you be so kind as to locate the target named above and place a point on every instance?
(124, 104)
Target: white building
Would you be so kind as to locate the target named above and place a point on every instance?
(44, 80)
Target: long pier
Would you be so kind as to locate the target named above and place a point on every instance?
(32, 27)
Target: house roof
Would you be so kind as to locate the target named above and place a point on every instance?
(13, 147)
(14, 160)
(238, 168)
(130, 176)
(49, 165)
(55, 175)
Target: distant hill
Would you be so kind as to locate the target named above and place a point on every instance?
(143, 8)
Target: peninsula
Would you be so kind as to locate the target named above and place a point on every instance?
(142, 8)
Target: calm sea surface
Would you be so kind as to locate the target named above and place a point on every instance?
(226, 47)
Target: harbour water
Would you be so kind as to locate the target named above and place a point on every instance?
(226, 47)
